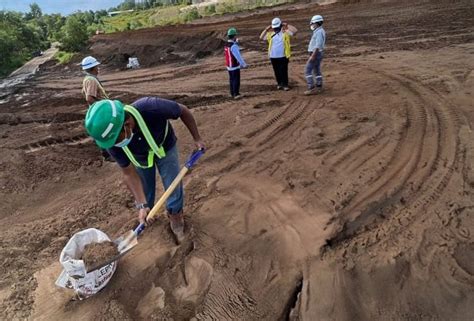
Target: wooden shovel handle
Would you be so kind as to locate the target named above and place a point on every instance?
(156, 208)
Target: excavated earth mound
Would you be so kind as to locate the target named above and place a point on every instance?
(355, 204)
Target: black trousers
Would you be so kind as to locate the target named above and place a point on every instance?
(280, 67)
(234, 82)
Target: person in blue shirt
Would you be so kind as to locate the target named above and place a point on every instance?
(141, 139)
(233, 61)
(314, 77)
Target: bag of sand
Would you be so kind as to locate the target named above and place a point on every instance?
(74, 275)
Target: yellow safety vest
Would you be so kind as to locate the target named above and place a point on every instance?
(286, 43)
(155, 149)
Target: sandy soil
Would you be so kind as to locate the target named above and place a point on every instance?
(97, 254)
(356, 204)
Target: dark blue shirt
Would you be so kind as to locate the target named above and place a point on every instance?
(155, 112)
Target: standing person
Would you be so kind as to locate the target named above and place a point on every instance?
(91, 85)
(316, 50)
(140, 138)
(92, 88)
(233, 62)
(279, 49)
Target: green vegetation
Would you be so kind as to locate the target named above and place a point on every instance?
(22, 35)
(74, 34)
(154, 13)
(64, 57)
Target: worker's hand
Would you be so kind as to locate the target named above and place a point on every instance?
(142, 214)
(200, 144)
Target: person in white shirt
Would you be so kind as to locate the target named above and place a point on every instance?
(314, 77)
(279, 50)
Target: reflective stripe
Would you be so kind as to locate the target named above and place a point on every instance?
(114, 114)
(107, 130)
(159, 151)
(114, 109)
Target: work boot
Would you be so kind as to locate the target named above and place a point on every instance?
(286, 88)
(311, 91)
(237, 97)
(177, 225)
(279, 87)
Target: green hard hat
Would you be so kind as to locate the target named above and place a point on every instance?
(104, 121)
(232, 32)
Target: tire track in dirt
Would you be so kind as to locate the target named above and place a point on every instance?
(29, 118)
(263, 138)
(54, 141)
(426, 164)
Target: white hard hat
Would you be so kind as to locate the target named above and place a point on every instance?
(89, 62)
(276, 23)
(316, 18)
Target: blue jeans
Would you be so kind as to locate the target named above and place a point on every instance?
(313, 71)
(168, 167)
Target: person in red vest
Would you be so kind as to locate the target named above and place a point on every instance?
(233, 62)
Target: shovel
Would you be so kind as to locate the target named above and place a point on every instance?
(128, 241)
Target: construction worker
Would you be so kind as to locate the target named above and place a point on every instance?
(233, 61)
(316, 50)
(140, 138)
(91, 85)
(279, 50)
(92, 88)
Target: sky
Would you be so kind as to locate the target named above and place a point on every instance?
(58, 6)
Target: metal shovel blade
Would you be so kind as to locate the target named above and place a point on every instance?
(126, 241)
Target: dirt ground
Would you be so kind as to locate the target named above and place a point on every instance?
(356, 204)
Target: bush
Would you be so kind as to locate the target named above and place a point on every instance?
(64, 57)
(193, 14)
(210, 10)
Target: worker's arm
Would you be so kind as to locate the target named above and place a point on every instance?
(290, 28)
(314, 54)
(188, 120)
(264, 32)
(134, 184)
(236, 52)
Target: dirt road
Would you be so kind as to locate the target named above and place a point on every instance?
(19, 76)
(356, 204)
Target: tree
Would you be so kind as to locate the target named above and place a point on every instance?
(18, 40)
(35, 12)
(54, 23)
(74, 34)
(127, 5)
